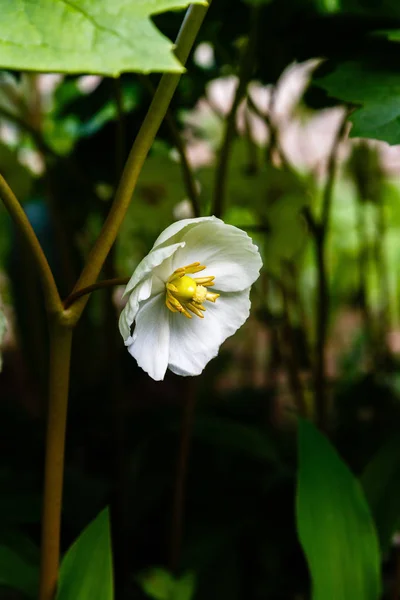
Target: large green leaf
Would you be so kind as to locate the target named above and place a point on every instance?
(85, 36)
(86, 570)
(334, 523)
(381, 483)
(375, 90)
(17, 573)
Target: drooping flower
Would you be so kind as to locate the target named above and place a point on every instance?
(188, 295)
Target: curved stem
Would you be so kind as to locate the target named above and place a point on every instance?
(155, 115)
(245, 71)
(92, 288)
(60, 353)
(52, 297)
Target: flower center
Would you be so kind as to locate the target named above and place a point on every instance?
(184, 293)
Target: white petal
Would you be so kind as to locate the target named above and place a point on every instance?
(154, 259)
(228, 253)
(181, 227)
(150, 341)
(194, 342)
(128, 314)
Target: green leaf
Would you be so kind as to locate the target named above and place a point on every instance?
(89, 36)
(334, 523)
(376, 90)
(86, 570)
(381, 483)
(159, 584)
(18, 574)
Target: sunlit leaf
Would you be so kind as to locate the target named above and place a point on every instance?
(86, 570)
(334, 523)
(89, 36)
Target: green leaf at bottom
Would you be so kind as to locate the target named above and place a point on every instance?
(334, 523)
(86, 570)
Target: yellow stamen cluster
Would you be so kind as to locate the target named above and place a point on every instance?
(184, 293)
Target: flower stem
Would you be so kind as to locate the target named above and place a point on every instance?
(52, 297)
(60, 353)
(142, 144)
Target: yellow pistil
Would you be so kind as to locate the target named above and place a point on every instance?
(184, 293)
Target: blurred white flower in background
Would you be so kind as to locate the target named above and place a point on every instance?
(203, 55)
(305, 136)
(188, 295)
(183, 210)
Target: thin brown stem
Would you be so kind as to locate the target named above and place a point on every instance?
(319, 231)
(187, 173)
(99, 285)
(60, 353)
(178, 508)
(292, 358)
(395, 591)
(245, 71)
(274, 145)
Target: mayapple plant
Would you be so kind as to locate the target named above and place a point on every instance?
(192, 290)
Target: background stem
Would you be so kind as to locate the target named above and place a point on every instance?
(320, 231)
(176, 138)
(188, 412)
(17, 213)
(60, 354)
(245, 71)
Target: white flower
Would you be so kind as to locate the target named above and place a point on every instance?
(179, 323)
